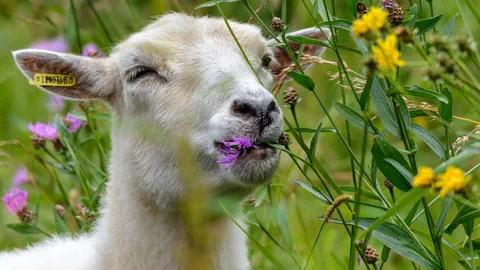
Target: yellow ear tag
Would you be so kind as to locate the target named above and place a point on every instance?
(42, 79)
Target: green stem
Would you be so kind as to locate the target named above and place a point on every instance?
(314, 245)
(75, 22)
(236, 40)
(100, 21)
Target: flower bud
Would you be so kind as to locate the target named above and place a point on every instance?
(57, 145)
(433, 74)
(403, 34)
(361, 9)
(250, 201)
(371, 64)
(284, 139)
(439, 43)
(396, 15)
(290, 96)
(25, 215)
(388, 184)
(277, 24)
(60, 210)
(37, 141)
(465, 46)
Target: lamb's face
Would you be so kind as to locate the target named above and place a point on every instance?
(187, 78)
(188, 75)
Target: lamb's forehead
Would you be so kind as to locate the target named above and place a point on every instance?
(177, 31)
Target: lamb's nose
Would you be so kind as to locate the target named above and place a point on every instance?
(261, 110)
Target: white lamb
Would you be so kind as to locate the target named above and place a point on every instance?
(176, 89)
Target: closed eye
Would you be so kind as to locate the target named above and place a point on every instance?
(138, 72)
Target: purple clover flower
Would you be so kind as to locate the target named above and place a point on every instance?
(20, 177)
(58, 44)
(74, 123)
(15, 200)
(56, 103)
(91, 49)
(46, 131)
(233, 149)
(388, 4)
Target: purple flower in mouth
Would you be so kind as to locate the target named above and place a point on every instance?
(231, 150)
(46, 131)
(73, 123)
(20, 177)
(58, 44)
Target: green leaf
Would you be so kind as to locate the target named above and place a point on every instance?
(441, 218)
(418, 91)
(404, 171)
(302, 79)
(445, 109)
(412, 13)
(305, 40)
(352, 7)
(417, 113)
(314, 191)
(366, 93)
(447, 32)
(381, 150)
(430, 140)
(23, 228)
(465, 214)
(403, 109)
(58, 223)
(426, 25)
(314, 142)
(321, 9)
(353, 117)
(214, 3)
(282, 223)
(384, 108)
(338, 24)
(397, 239)
(406, 200)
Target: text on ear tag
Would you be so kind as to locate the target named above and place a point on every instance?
(42, 79)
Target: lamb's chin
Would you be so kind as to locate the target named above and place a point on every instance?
(256, 167)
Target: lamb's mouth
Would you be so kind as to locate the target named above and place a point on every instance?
(261, 151)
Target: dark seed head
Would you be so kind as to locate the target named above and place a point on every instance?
(361, 9)
(290, 96)
(388, 184)
(403, 34)
(277, 24)
(37, 142)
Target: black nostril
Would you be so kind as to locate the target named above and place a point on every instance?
(243, 108)
(272, 107)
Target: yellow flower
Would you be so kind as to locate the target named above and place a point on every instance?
(452, 179)
(424, 178)
(359, 28)
(374, 20)
(387, 54)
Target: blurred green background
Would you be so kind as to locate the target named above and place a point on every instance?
(24, 22)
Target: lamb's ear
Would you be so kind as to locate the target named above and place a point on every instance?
(94, 78)
(282, 60)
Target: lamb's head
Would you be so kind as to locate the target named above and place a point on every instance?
(187, 76)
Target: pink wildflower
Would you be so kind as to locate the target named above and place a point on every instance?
(231, 150)
(58, 44)
(46, 131)
(74, 123)
(15, 200)
(20, 177)
(91, 49)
